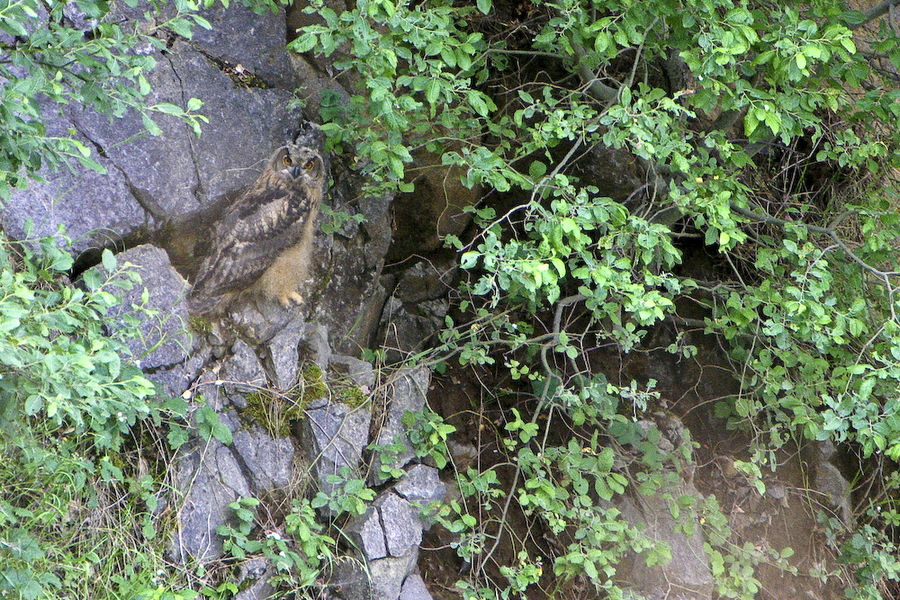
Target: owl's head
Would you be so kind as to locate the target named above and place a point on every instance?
(299, 165)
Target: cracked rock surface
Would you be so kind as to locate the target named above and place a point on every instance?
(336, 435)
(409, 391)
(91, 205)
(211, 478)
(149, 179)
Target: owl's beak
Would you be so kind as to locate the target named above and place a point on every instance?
(295, 172)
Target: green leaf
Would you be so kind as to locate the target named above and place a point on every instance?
(537, 169)
(222, 433)
(484, 6)
(182, 27)
(304, 43)
(150, 125)
(108, 260)
(476, 101)
(854, 17)
(448, 56)
(751, 122)
(169, 109)
(143, 85)
(432, 91)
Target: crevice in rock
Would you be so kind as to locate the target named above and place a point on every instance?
(143, 197)
(116, 242)
(197, 192)
(240, 76)
(382, 525)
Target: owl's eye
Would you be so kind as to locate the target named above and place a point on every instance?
(309, 164)
(287, 160)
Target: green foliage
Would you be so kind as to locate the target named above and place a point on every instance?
(71, 401)
(760, 129)
(335, 220)
(428, 435)
(299, 556)
(209, 426)
(349, 494)
(56, 362)
(871, 550)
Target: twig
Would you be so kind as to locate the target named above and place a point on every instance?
(557, 319)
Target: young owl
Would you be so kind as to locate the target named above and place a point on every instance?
(262, 241)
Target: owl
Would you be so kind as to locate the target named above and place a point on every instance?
(262, 241)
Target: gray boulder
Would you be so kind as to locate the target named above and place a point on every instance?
(176, 380)
(688, 574)
(164, 338)
(283, 354)
(414, 589)
(314, 347)
(405, 329)
(421, 485)
(367, 533)
(831, 483)
(409, 389)
(383, 581)
(347, 265)
(357, 371)
(176, 173)
(426, 280)
(210, 478)
(95, 208)
(255, 573)
(388, 574)
(240, 374)
(267, 460)
(164, 347)
(255, 42)
(402, 527)
(335, 434)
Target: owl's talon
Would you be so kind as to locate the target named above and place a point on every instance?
(293, 297)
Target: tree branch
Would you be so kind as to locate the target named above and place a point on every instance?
(876, 12)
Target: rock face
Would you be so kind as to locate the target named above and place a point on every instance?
(92, 206)
(210, 477)
(402, 527)
(164, 346)
(421, 485)
(267, 460)
(388, 535)
(176, 173)
(156, 198)
(687, 574)
(249, 41)
(408, 394)
(414, 589)
(164, 339)
(335, 434)
(151, 179)
(348, 264)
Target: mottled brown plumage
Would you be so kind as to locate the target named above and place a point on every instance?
(262, 241)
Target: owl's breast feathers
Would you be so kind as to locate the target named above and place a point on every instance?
(263, 222)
